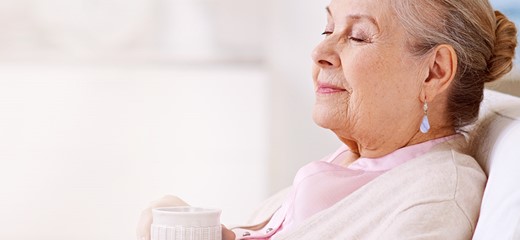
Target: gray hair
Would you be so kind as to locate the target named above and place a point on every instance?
(484, 41)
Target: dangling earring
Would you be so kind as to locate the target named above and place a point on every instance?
(425, 124)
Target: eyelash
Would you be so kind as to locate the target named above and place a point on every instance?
(326, 33)
(357, 39)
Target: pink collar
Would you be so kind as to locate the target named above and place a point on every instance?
(397, 157)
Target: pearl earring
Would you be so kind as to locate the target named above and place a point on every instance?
(425, 124)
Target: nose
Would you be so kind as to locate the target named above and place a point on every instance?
(325, 54)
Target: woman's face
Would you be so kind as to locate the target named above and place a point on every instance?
(366, 80)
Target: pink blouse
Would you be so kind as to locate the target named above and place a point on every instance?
(320, 184)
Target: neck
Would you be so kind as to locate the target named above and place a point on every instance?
(359, 150)
(420, 137)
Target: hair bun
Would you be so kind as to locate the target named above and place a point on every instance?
(501, 61)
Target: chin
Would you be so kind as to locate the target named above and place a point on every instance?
(322, 117)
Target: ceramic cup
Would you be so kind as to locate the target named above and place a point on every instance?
(186, 223)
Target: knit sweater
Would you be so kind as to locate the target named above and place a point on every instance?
(434, 196)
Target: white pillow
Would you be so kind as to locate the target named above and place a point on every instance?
(497, 148)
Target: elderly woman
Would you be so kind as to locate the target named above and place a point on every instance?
(395, 81)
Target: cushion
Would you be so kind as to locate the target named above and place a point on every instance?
(495, 143)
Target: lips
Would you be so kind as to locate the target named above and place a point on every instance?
(325, 88)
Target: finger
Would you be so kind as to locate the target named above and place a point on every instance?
(227, 234)
(143, 227)
(169, 201)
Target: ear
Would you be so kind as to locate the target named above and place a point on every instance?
(442, 70)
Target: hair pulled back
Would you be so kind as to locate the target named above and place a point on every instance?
(484, 41)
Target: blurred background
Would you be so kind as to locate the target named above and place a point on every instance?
(108, 105)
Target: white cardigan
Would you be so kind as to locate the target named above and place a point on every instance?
(434, 196)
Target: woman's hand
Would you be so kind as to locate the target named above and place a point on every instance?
(145, 222)
(227, 234)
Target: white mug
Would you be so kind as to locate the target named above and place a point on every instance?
(186, 223)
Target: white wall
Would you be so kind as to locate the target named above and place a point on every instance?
(107, 105)
(84, 148)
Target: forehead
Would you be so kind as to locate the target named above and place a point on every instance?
(380, 10)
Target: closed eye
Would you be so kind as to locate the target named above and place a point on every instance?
(360, 40)
(326, 33)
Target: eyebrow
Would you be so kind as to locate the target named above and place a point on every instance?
(357, 16)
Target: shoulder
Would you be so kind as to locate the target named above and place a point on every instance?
(444, 178)
(444, 166)
(440, 194)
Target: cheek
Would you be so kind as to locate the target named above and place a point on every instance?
(365, 75)
(382, 84)
(378, 76)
